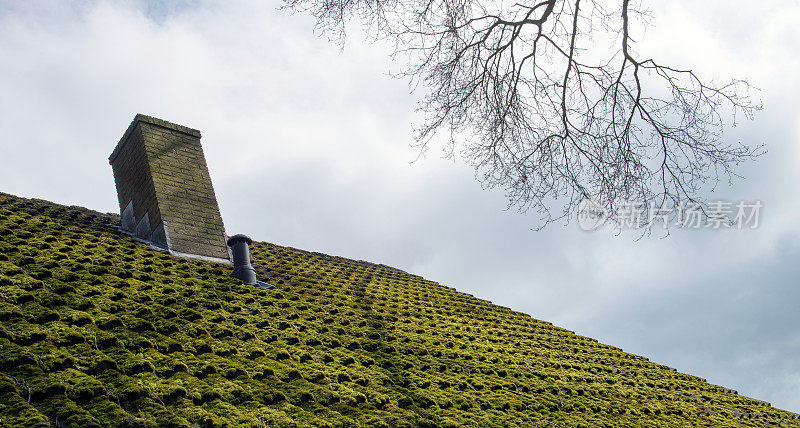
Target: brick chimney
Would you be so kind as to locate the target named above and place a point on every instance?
(164, 189)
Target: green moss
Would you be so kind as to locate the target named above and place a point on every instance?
(96, 328)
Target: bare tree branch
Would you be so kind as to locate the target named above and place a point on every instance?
(549, 100)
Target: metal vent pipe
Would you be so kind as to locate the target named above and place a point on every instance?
(242, 268)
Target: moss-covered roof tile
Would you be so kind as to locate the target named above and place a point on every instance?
(96, 329)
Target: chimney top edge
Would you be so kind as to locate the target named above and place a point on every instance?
(152, 121)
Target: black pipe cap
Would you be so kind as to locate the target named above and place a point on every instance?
(239, 238)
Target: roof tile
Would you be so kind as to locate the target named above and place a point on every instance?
(99, 329)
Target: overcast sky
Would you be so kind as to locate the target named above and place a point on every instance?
(308, 146)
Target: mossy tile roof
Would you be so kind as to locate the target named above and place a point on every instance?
(97, 329)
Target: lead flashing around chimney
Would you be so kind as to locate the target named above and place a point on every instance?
(160, 236)
(159, 241)
(201, 258)
(127, 218)
(143, 228)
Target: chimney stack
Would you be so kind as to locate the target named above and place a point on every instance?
(165, 192)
